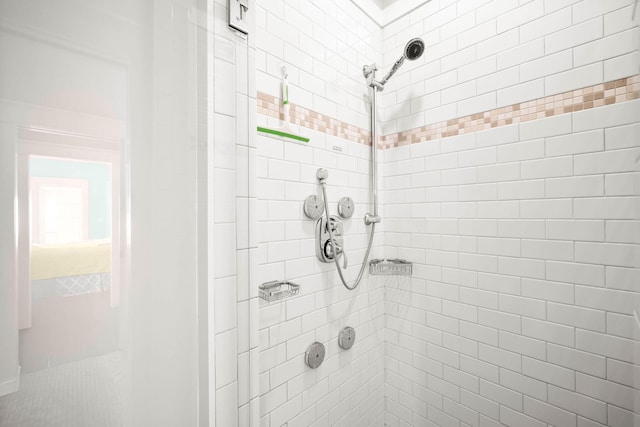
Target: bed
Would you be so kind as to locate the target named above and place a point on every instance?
(70, 269)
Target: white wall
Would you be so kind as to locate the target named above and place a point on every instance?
(231, 199)
(323, 46)
(525, 236)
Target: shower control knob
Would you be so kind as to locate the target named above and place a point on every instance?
(313, 207)
(346, 207)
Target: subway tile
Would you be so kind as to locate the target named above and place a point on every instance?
(475, 262)
(583, 186)
(548, 373)
(623, 184)
(575, 143)
(547, 24)
(607, 208)
(591, 8)
(226, 362)
(605, 345)
(605, 299)
(548, 249)
(550, 332)
(521, 151)
(226, 399)
(618, 417)
(550, 126)
(605, 48)
(587, 230)
(498, 135)
(479, 32)
(499, 283)
(608, 254)
(499, 357)
(578, 404)
(582, 361)
(521, 53)
(574, 78)
(225, 304)
(532, 229)
(622, 278)
(533, 89)
(617, 20)
(477, 192)
(607, 162)
(621, 372)
(574, 35)
(499, 172)
(477, 227)
(502, 395)
(548, 413)
(522, 306)
(569, 272)
(547, 168)
(503, 209)
(482, 156)
(520, 15)
(579, 317)
(480, 404)
(479, 368)
(499, 246)
(519, 190)
(621, 325)
(479, 333)
(499, 80)
(523, 384)
(606, 391)
(523, 345)
(547, 65)
(548, 291)
(605, 117)
(549, 209)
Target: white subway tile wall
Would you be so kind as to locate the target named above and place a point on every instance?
(524, 232)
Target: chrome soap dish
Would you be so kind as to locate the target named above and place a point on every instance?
(390, 266)
(277, 290)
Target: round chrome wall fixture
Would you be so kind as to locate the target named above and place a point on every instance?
(314, 355)
(313, 207)
(346, 207)
(347, 337)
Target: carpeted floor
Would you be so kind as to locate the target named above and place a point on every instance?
(84, 393)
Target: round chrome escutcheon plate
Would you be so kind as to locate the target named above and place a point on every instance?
(347, 337)
(314, 355)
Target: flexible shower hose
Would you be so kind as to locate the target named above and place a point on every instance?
(335, 251)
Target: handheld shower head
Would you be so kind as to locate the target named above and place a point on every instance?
(412, 51)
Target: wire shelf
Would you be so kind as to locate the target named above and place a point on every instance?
(395, 266)
(277, 290)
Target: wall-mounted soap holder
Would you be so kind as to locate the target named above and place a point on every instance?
(277, 290)
(390, 266)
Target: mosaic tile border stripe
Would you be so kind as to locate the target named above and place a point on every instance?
(617, 91)
(269, 105)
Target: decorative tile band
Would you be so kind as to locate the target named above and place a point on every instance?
(621, 90)
(269, 105)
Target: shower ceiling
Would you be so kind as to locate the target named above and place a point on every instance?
(384, 12)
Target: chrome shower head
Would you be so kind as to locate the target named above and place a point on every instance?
(412, 51)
